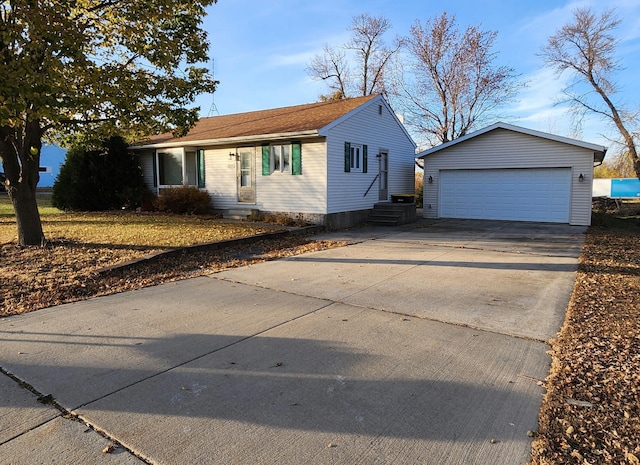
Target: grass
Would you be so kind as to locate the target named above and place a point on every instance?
(143, 230)
(44, 206)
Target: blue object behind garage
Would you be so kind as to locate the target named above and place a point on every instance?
(625, 188)
(51, 158)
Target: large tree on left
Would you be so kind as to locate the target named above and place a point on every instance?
(92, 66)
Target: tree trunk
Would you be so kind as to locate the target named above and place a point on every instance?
(20, 154)
(27, 216)
(636, 166)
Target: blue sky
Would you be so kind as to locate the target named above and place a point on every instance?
(261, 50)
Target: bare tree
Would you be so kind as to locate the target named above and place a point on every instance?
(366, 53)
(449, 84)
(332, 67)
(586, 48)
(371, 53)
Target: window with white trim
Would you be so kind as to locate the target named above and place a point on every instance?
(178, 167)
(357, 161)
(280, 159)
(355, 158)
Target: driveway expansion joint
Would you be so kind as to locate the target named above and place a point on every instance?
(458, 325)
(65, 414)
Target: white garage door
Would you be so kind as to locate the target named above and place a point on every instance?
(540, 194)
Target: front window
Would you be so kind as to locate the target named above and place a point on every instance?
(191, 169)
(281, 158)
(170, 168)
(179, 167)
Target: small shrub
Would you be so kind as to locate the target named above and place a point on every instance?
(183, 200)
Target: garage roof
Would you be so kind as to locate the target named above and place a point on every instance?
(599, 150)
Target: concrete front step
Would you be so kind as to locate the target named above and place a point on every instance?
(392, 214)
(238, 213)
(382, 222)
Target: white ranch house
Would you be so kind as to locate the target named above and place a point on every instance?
(329, 162)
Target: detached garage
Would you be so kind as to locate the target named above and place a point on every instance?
(505, 172)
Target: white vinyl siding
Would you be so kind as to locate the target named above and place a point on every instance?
(146, 161)
(220, 177)
(304, 193)
(506, 149)
(379, 132)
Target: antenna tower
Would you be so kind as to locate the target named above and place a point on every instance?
(213, 109)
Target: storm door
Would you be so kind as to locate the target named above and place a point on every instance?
(383, 176)
(245, 172)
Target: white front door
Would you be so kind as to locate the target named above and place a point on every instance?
(245, 174)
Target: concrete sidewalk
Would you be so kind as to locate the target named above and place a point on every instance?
(418, 345)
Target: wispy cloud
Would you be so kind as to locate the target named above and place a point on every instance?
(539, 104)
(293, 59)
(543, 90)
(542, 26)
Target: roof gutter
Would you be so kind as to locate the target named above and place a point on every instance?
(228, 140)
(599, 160)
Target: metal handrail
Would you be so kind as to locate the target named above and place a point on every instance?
(371, 185)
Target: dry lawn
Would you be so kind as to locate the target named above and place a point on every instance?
(591, 412)
(85, 250)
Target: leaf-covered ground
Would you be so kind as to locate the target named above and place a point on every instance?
(66, 271)
(591, 412)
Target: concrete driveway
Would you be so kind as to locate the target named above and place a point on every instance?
(414, 345)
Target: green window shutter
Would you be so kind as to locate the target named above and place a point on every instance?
(154, 160)
(200, 167)
(347, 157)
(364, 158)
(296, 158)
(266, 160)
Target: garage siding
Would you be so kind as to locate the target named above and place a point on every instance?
(506, 149)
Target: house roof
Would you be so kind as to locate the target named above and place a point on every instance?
(307, 119)
(599, 150)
